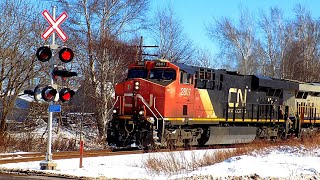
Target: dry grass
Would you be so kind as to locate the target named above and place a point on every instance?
(170, 163)
(22, 142)
(64, 144)
(177, 162)
(28, 142)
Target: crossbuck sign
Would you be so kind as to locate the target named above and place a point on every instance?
(54, 25)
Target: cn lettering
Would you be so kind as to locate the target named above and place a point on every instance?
(241, 98)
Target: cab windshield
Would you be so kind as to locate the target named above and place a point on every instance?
(162, 74)
(138, 73)
(159, 74)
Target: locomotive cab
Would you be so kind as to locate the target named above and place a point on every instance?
(139, 109)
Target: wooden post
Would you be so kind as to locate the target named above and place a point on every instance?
(81, 153)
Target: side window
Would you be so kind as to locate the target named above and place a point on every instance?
(190, 78)
(185, 78)
(182, 77)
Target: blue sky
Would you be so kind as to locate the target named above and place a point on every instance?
(194, 15)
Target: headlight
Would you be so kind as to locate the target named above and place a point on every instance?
(141, 112)
(114, 111)
(136, 85)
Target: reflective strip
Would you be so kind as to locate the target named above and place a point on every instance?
(223, 120)
(174, 119)
(312, 121)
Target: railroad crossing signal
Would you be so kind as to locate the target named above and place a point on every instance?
(54, 26)
(48, 93)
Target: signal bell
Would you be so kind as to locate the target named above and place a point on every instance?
(44, 54)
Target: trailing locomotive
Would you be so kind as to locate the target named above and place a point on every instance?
(173, 104)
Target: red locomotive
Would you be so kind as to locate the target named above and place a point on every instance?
(173, 104)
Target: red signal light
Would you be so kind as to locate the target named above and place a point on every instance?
(44, 54)
(66, 94)
(66, 55)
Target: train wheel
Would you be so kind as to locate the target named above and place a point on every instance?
(186, 144)
(204, 137)
(112, 134)
(282, 134)
(171, 144)
(145, 140)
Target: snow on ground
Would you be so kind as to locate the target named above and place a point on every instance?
(283, 162)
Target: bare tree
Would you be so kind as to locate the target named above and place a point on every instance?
(167, 32)
(274, 43)
(98, 30)
(17, 36)
(306, 38)
(204, 58)
(237, 41)
(301, 53)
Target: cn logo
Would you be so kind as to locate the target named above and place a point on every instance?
(240, 98)
(54, 25)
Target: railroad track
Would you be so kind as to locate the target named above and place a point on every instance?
(25, 157)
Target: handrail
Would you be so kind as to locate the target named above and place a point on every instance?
(146, 104)
(154, 105)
